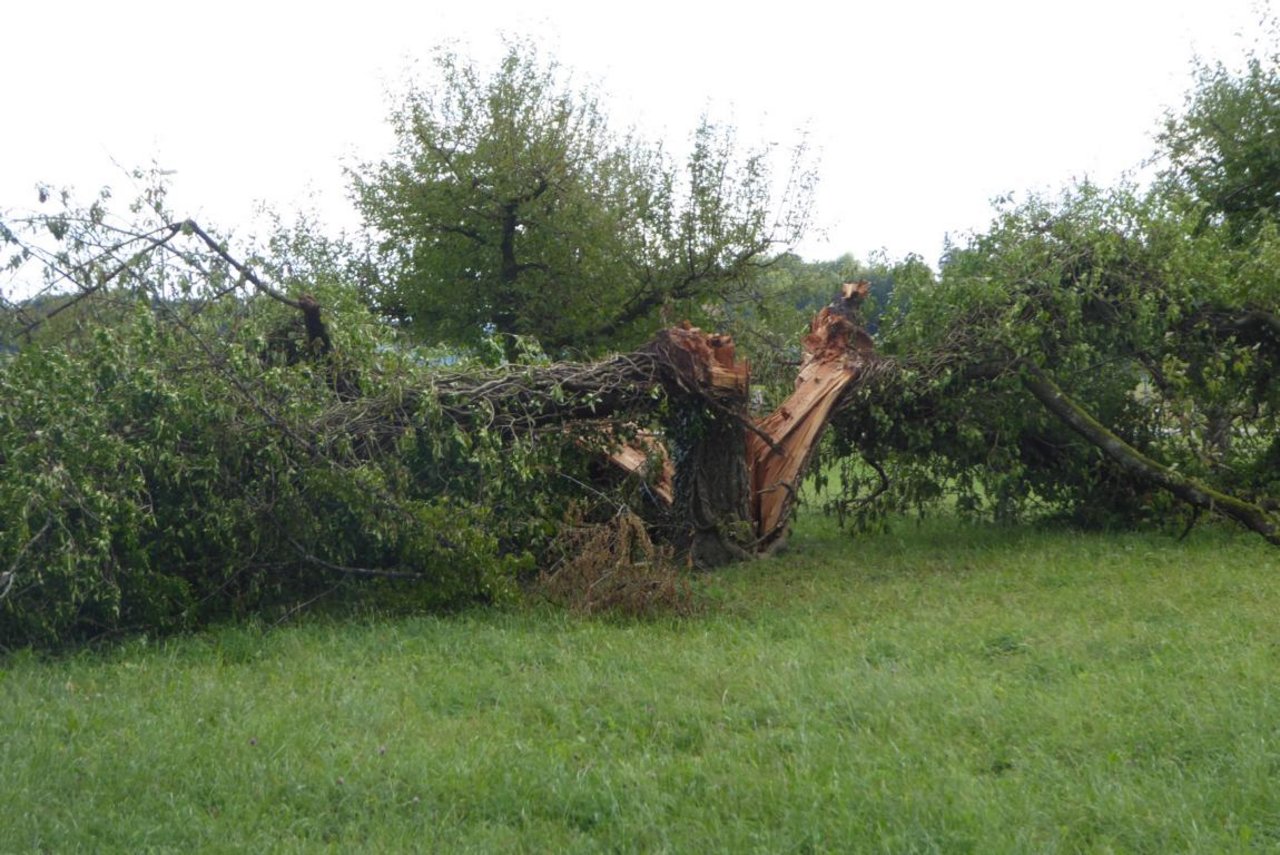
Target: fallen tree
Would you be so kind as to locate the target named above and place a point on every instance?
(185, 434)
(731, 481)
(181, 438)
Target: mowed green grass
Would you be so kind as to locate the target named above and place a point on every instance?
(943, 688)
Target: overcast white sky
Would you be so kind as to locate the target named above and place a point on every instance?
(922, 111)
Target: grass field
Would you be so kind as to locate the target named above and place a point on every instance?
(939, 689)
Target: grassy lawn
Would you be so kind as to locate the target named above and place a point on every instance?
(939, 689)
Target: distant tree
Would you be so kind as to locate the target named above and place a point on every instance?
(1224, 146)
(807, 286)
(511, 207)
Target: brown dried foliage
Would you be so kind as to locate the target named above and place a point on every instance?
(613, 567)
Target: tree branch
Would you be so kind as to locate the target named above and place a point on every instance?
(1134, 462)
(243, 269)
(7, 578)
(354, 571)
(87, 290)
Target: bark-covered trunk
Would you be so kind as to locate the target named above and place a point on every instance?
(707, 390)
(712, 486)
(737, 480)
(1143, 468)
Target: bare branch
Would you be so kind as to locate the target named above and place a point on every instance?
(243, 269)
(355, 571)
(86, 290)
(7, 579)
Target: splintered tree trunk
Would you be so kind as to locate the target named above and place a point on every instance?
(782, 447)
(707, 391)
(731, 482)
(735, 480)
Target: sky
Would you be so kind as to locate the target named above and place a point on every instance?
(920, 112)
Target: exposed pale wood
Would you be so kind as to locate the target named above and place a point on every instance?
(795, 428)
(833, 353)
(703, 361)
(646, 457)
(779, 447)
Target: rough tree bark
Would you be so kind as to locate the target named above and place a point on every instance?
(707, 391)
(1143, 468)
(736, 479)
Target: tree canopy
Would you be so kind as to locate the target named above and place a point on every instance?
(1223, 148)
(510, 206)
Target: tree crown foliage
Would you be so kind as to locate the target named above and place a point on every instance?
(511, 206)
(174, 449)
(1223, 148)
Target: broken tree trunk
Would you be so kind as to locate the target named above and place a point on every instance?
(646, 456)
(736, 480)
(707, 392)
(730, 482)
(782, 448)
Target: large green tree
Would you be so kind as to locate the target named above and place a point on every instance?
(1223, 148)
(511, 207)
